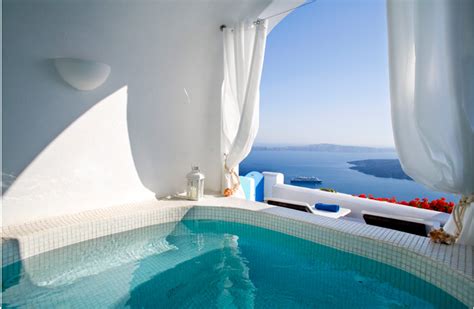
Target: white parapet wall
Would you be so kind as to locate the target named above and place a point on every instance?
(275, 188)
(271, 179)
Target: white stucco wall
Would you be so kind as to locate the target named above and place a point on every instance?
(136, 136)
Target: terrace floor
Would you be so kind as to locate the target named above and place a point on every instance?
(458, 257)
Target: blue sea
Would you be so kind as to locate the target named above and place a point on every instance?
(332, 168)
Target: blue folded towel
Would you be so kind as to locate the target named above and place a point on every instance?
(327, 207)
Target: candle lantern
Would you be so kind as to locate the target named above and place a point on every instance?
(195, 187)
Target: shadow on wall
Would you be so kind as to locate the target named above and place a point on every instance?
(88, 165)
(67, 151)
(31, 121)
(38, 106)
(168, 132)
(49, 124)
(65, 130)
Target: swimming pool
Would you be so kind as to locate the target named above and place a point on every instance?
(210, 263)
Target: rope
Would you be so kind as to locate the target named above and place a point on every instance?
(235, 180)
(440, 236)
(458, 212)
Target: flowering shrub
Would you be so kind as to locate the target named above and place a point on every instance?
(438, 205)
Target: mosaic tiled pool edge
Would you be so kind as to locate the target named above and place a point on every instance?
(352, 237)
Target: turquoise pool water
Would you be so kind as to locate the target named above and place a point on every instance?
(210, 264)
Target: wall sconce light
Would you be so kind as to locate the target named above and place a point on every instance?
(82, 74)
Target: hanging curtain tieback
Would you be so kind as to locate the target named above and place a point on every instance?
(440, 236)
(235, 180)
(459, 211)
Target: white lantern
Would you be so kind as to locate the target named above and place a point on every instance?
(195, 187)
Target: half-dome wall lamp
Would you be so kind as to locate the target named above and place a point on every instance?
(82, 74)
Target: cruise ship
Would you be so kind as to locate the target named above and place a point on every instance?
(308, 179)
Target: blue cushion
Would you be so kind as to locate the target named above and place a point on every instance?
(327, 207)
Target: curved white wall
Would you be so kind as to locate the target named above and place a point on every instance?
(137, 135)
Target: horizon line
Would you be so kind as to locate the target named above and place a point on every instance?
(308, 144)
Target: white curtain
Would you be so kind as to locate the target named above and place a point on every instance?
(431, 57)
(244, 49)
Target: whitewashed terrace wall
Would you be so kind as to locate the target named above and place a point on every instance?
(275, 187)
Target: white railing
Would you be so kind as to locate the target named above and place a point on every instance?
(275, 188)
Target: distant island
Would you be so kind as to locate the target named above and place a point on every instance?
(384, 168)
(326, 148)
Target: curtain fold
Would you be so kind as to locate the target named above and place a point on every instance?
(431, 60)
(244, 49)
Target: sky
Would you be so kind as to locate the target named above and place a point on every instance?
(325, 76)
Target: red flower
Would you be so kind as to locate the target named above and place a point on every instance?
(437, 204)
